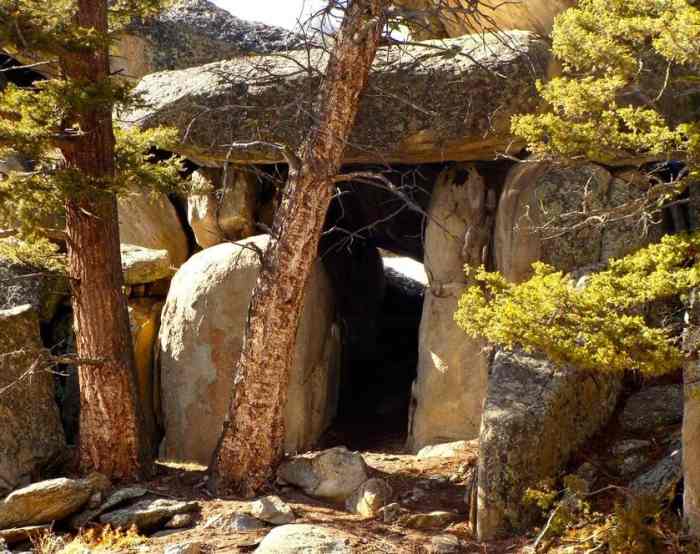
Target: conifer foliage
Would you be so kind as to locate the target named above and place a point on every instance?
(610, 51)
(64, 124)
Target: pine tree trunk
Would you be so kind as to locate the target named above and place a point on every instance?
(251, 444)
(111, 438)
(691, 418)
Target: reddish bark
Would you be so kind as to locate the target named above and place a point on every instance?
(111, 430)
(252, 441)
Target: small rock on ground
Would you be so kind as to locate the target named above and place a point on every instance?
(116, 498)
(367, 500)
(242, 523)
(180, 521)
(391, 512)
(431, 520)
(446, 544)
(21, 534)
(186, 548)
(305, 539)
(148, 515)
(272, 509)
(661, 480)
(333, 475)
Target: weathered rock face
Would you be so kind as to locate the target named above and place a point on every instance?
(272, 509)
(150, 221)
(223, 208)
(194, 32)
(200, 340)
(534, 198)
(535, 416)
(143, 265)
(333, 474)
(48, 501)
(148, 515)
(302, 537)
(144, 320)
(115, 499)
(452, 368)
(661, 480)
(31, 435)
(651, 408)
(21, 285)
(492, 15)
(464, 102)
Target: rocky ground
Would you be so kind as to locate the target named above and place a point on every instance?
(340, 501)
(425, 511)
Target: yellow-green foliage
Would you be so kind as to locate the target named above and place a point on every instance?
(35, 122)
(610, 50)
(596, 326)
(105, 540)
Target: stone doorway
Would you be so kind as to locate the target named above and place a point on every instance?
(374, 404)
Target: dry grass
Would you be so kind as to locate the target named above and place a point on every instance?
(103, 539)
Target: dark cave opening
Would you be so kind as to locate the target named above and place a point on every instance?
(374, 405)
(373, 251)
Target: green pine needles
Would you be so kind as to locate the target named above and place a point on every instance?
(620, 60)
(611, 51)
(594, 324)
(37, 122)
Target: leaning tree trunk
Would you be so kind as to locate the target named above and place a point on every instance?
(251, 444)
(111, 439)
(691, 418)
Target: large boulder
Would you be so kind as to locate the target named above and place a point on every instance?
(190, 33)
(31, 435)
(535, 416)
(148, 515)
(143, 265)
(49, 501)
(222, 206)
(651, 408)
(449, 390)
(149, 220)
(492, 16)
(304, 538)
(450, 100)
(200, 340)
(186, 34)
(661, 481)
(540, 200)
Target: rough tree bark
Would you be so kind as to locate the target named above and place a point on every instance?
(251, 444)
(691, 418)
(111, 439)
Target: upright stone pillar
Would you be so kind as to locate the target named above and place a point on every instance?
(450, 387)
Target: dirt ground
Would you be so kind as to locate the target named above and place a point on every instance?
(443, 481)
